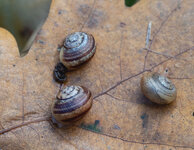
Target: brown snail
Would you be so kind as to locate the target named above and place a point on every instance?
(158, 88)
(78, 48)
(71, 104)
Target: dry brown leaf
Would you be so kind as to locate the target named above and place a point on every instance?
(121, 117)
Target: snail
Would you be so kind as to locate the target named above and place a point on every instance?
(59, 73)
(78, 48)
(71, 104)
(158, 88)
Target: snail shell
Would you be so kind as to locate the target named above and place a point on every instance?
(78, 48)
(158, 88)
(72, 103)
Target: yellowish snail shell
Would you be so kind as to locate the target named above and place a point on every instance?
(158, 89)
(78, 48)
(71, 104)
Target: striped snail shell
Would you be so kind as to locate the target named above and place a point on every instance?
(72, 103)
(78, 48)
(158, 88)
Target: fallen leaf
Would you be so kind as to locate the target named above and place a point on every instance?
(121, 117)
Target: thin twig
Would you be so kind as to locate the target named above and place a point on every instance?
(152, 51)
(89, 15)
(24, 124)
(158, 31)
(118, 83)
(120, 49)
(148, 34)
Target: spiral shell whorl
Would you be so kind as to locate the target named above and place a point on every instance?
(72, 102)
(158, 88)
(76, 40)
(78, 48)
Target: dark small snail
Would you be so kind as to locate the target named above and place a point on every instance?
(59, 73)
(78, 48)
(158, 88)
(72, 103)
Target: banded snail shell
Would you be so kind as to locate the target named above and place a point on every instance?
(158, 88)
(72, 103)
(78, 48)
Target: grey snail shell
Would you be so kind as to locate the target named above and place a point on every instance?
(72, 103)
(78, 48)
(158, 88)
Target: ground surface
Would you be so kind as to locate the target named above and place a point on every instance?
(121, 117)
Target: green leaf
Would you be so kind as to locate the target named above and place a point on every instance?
(130, 2)
(23, 18)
